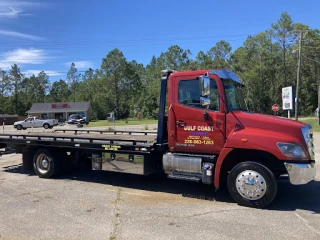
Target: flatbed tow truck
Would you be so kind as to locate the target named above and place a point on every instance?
(205, 134)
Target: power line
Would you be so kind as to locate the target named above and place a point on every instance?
(98, 58)
(129, 41)
(128, 45)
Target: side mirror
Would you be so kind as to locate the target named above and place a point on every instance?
(204, 90)
(205, 101)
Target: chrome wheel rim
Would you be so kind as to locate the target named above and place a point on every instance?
(251, 185)
(43, 163)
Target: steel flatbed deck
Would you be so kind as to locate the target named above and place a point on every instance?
(84, 139)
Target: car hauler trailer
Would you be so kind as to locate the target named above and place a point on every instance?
(204, 134)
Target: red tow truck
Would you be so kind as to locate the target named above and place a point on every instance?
(205, 134)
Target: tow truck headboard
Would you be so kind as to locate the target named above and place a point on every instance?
(161, 118)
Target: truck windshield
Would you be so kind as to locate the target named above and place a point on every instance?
(235, 96)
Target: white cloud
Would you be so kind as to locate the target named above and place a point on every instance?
(14, 9)
(22, 56)
(11, 13)
(20, 35)
(10, 9)
(81, 64)
(18, 3)
(36, 72)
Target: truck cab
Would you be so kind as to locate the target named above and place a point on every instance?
(212, 137)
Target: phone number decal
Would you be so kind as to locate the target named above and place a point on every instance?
(199, 141)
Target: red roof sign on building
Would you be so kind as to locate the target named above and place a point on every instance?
(63, 105)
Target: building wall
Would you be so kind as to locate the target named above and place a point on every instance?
(65, 117)
(8, 120)
(65, 114)
(51, 116)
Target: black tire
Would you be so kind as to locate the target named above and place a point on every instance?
(19, 127)
(46, 126)
(46, 169)
(266, 191)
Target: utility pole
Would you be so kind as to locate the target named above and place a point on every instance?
(298, 80)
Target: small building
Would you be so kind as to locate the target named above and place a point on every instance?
(8, 119)
(60, 111)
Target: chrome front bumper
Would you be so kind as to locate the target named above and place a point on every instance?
(300, 173)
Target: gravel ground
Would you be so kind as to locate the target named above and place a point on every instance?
(102, 205)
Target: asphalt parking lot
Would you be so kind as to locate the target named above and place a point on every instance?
(100, 205)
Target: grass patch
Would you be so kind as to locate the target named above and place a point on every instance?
(313, 122)
(104, 123)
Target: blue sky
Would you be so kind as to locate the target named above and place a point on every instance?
(49, 35)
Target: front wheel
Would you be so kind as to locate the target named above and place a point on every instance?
(46, 125)
(252, 185)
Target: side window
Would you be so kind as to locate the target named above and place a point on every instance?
(232, 94)
(189, 94)
(214, 96)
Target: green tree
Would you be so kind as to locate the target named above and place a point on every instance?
(283, 33)
(220, 54)
(43, 86)
(4, 83)
(72, 79)
(204, 61)
(176, 58)
(59, 91)
(86, 90)
(113, 75)
(4, 91)
(16, 77)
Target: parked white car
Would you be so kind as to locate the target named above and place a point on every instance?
(36, 123)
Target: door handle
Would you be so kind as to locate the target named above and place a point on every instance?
(181, 123)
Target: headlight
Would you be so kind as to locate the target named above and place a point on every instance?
(292, 150)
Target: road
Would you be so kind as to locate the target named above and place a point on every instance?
(100, 205)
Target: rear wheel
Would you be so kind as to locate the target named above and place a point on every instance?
(252, 185)
(45, 164)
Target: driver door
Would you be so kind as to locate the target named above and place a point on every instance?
(28, 122)
(194, 132)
